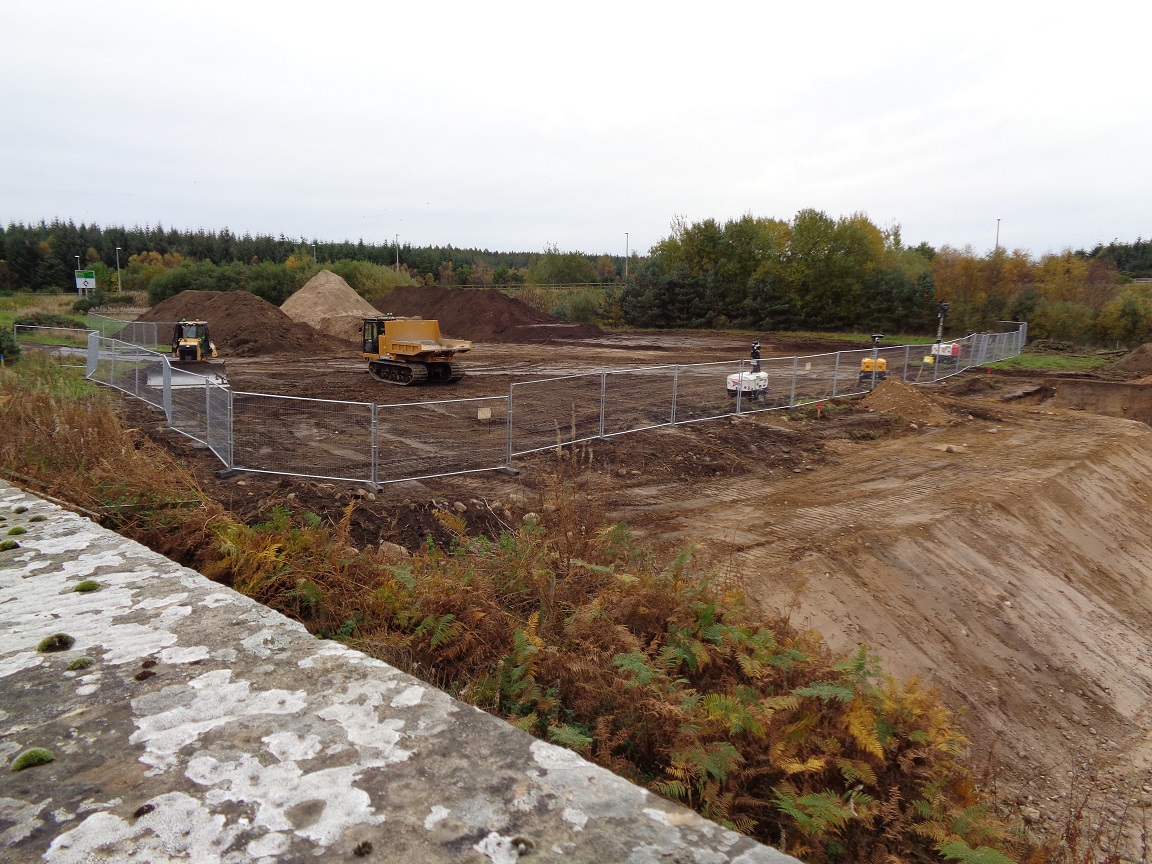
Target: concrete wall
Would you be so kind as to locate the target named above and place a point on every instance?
(210, 729)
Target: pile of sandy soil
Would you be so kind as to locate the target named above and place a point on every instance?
(482, 315)
(242, 324)
(1139, 360)
(893, 396)
(330, 305)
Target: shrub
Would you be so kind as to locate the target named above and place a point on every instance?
(51, 319)
(656, 670)
(8, 346)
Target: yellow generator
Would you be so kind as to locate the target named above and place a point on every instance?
(866, 368)
(408, 351)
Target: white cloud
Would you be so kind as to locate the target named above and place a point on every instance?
(512, 125)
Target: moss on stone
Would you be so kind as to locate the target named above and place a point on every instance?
(31, 758)
(55, 642)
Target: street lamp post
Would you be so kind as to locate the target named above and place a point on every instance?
(997, 235)
(119, 284)
(397, 253)
(314, 258)
(625, 256)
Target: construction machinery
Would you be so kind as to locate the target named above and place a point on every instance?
(410, 351)
(874, 368)
(947, 353)
(193, 351)
(752, 384)
(870, 364)
(191, 343)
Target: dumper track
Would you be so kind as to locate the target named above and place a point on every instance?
(413, 374)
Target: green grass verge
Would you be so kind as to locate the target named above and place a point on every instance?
(1055, 362)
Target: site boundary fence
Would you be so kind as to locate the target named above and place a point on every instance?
(379, 443)
(60, 342)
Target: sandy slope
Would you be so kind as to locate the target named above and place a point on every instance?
(1014, 573)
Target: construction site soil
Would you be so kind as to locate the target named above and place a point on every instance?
(243, 325)
(969, 532)
(483, 315)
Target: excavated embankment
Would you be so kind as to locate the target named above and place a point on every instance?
(1007, 562)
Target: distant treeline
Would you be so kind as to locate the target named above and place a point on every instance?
(813, 272)
(816, 272)
(43, 256)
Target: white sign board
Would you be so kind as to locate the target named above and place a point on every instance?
(85, 282)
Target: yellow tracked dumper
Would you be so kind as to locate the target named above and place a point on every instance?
(410, 351)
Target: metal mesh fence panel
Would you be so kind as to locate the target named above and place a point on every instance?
(190, 407)
(304, 437)
(815, 379)
(363, 442)
(638, 399)
(779, 393)
(129, 368)
(701, 391)
(554, 411)
(27, 334)
(218, 426)
(431, 439)
(148, 334)
(67, 344)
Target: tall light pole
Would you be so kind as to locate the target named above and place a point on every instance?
(119, 284)
(625, 256)
(314, 258)
(997, 235)
(397, 253)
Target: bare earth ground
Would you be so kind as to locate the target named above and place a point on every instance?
(1004, 558)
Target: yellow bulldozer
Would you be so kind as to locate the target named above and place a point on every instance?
(193, 350)
(410, 351)
(191, 343)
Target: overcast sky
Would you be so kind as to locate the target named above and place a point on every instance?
(515, 125)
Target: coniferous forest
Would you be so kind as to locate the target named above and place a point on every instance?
(811, 272)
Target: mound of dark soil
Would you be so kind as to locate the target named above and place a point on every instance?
(482, 315)
(1139, 360)
(243, 325)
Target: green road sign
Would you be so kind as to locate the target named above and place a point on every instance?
(85, 281)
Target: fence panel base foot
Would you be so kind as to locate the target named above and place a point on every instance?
(224, 473)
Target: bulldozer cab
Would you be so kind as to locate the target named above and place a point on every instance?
(190, 341)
